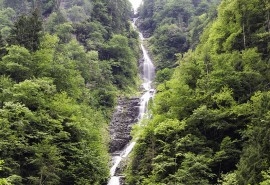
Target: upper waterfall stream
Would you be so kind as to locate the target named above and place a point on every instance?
(147, 75)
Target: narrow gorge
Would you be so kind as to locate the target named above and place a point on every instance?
(129, 112)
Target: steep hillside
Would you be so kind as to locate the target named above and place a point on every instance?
(174, 26)
(62, 66)
(210, 120)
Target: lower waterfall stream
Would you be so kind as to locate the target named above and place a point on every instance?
(147, 75)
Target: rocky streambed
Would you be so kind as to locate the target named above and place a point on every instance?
(124, 117)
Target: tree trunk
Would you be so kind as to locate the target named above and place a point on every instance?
(244, 35)
(268, 20)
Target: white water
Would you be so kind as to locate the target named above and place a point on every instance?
(115, 180)
(147, 76)
(135, 4)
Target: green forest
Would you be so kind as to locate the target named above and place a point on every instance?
(211, 114)
(64, 64)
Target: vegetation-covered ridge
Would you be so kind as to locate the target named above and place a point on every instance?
(174, 26)
(62, 65)
(211, 119)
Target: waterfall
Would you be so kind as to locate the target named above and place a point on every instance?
(147, 76)
(115, 180)
(135, 4)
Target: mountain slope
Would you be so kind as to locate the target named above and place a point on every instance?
(210, 120)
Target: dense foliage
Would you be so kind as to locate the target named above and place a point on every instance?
(174, 26)
(62, 65)
(210, 120)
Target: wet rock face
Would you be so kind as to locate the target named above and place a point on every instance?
(125, 115)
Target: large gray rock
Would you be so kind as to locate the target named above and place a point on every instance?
(125, 115)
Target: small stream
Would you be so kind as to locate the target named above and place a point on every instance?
(148, 73)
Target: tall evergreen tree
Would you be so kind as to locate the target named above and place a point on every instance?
(27, 31)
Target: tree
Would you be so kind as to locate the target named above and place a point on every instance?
(3, 50)
(55, 19)
(6, 18)
(48, 132)
(220, 93)
(20, 6)
(91, 34)
(122, 61)
(3, 181)
(17, 63)
(5, 84)
(266, 177)
(163, 75)
(43, 58)
(77, 14)
(171, 40)
(64, 32)
(255, 158)
(26, 32)
(172, 26)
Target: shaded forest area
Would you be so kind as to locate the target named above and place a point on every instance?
(211, 114)
(62, 66)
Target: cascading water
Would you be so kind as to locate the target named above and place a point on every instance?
(147, 76)
(148, 73)
(135, 4)
(115, 180)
